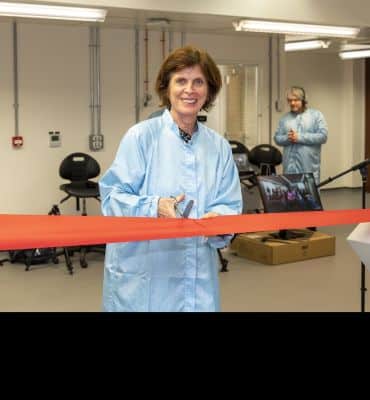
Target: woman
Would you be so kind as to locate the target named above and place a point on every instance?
(162, 164)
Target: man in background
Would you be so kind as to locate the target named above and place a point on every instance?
(301, 132)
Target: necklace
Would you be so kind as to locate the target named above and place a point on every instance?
(184, 136)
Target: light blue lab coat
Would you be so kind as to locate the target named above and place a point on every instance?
(153, 161)
(305, 155)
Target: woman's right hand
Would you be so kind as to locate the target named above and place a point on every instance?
(166, 206)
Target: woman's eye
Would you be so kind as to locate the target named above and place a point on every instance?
(198, 82)
(181, 81)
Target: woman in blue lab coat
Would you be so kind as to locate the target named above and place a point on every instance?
(162, 164)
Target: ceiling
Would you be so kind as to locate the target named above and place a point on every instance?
(186, 22)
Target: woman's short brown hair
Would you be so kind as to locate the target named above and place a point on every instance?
(185, 57)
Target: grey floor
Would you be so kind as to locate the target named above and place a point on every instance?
(329, 284)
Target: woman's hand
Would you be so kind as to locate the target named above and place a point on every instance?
(210, 215)
(166, 206)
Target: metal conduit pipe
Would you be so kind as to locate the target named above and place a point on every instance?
(98, 91)
(147, 96)
(92, 79)
(15, 77)
(137, 76)
(278, 73)
(170, 41)
(163, 41)
(270, 89)
(183, 39)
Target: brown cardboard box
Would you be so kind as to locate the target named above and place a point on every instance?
(252, 247)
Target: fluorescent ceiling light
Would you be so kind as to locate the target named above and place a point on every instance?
(307, 45)
(296, 29)
(354, 46)
(158, 22)
(346, 55)
(52, 12)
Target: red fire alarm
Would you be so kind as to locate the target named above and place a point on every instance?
(17, 141)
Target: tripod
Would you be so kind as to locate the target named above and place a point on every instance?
(362, 167)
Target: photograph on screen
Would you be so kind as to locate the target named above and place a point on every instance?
(289, 192)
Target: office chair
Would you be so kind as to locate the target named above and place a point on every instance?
(266, 157)
(240, 155)
(79, 169)
(4, 260)
(247, 171)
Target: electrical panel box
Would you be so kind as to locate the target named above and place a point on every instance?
(96, 142)
(55, 139)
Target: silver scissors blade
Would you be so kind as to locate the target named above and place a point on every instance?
(188, 208)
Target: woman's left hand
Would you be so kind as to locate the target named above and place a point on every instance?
(210, 215)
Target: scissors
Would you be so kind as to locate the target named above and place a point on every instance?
(186, 212)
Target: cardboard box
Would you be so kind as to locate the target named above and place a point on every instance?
(254, 246)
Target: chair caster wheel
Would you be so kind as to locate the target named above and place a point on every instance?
(224, 266)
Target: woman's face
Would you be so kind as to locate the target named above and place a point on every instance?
(187, 91)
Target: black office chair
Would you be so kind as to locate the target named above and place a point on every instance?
(247, 171)
(240, 155)
(266, 157)
(4, 260)
(79, 169)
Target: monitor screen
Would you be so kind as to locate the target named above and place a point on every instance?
(289, 192)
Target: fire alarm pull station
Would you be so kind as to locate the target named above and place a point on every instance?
(17, 141)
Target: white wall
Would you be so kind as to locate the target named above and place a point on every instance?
(53, 65)
(336, 88)
(54, 95)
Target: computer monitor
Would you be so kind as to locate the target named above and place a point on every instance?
(289, 192)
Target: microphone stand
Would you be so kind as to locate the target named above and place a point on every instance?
(362, 166)
(363, 171)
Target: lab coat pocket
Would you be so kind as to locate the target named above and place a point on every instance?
(130, 291)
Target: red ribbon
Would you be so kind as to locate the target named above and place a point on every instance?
(37, 231)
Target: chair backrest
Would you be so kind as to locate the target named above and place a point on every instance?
(240, 154)
(79, 167)
(266, 157)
